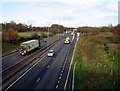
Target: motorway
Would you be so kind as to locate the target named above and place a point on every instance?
(49, 72)
(13, 58)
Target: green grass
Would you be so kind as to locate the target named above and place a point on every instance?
(95, 68)
(28, 34)
(9, 47)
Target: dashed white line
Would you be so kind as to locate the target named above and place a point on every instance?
(38, 80)
(48, 66)
(57, 86)
(60, 77)
(58, 81)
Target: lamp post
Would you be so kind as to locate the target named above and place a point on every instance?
(58, 31)
(48, 31)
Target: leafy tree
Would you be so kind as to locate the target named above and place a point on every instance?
(12, 35)
(55, 28)
(35, 36)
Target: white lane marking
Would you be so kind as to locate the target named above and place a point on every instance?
(48, 66)
(38, 80)
(23, 74)
(60, 77)
(58, 81)
(57, 86)
(69, 68)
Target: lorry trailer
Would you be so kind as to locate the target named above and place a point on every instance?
(28, 46)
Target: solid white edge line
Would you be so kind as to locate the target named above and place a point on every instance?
(69, 68)
(38, 80)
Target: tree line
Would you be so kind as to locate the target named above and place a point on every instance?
(114, 29)
(10, 31)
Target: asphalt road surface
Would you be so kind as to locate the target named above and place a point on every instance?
(12, 59)
(51, 72)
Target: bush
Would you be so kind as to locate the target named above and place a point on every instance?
(51, 34)
(43, 35)
(35, 36)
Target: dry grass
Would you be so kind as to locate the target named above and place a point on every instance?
(98, 70)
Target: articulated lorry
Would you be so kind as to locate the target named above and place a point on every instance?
(28, 46)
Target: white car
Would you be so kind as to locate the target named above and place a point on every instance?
(50, 53)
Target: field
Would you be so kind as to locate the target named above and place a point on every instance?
(28, 34)
(97, 62)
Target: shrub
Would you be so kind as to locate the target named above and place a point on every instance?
(35, 36)
(43, 35)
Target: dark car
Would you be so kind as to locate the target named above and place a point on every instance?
(44, 40)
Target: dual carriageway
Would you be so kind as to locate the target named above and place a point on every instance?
(47, 72)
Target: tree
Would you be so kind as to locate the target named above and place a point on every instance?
(35, 36)
(55, 28)
(11, 35)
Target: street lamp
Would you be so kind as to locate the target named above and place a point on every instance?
(48, 31)
(58, 31)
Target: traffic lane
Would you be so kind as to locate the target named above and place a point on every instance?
(69, 58)
(34, 73)
(53, 75)
(48, 81)
(54, 39)
(9, 61)
(16, 57)
(6, 63)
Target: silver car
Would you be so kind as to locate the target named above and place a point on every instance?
(50, 53)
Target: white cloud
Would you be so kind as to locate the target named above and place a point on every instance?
(70, 13)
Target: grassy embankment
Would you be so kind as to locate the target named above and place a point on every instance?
(97, 64)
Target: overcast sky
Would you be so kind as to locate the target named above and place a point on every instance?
(69, 13)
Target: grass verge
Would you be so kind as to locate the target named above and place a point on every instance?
(95, 69)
